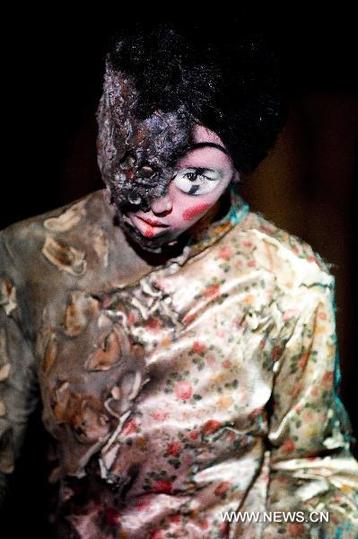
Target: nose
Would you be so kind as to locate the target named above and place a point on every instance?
(162, 205)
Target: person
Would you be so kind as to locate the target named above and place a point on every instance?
(184, 346)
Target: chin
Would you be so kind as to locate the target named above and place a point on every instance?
(154, 244)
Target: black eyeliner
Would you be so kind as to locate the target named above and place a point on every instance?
(201, 171)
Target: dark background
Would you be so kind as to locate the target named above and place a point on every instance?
(51, 76)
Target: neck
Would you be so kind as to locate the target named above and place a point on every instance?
(216, 212)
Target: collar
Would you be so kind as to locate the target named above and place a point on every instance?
(207, 236)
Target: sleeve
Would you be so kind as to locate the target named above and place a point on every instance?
(18, 393)
(312, 471)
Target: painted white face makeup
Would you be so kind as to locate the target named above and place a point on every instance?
(197, 181)
(202, 175)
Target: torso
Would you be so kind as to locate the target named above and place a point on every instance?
(154, 380)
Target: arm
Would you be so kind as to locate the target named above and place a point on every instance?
(311, 468)
(17, 372)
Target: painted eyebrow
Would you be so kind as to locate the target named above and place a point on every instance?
(210, 145)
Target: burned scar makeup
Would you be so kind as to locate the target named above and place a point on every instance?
(136, 155)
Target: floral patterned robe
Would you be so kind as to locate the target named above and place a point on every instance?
(174, 393)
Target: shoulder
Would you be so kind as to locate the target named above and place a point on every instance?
(44, 258)
(60, 236)
(23, 236)
(293, 262)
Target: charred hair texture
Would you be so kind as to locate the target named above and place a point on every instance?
(230, 86)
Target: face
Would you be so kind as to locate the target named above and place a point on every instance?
(163, 173)
(199, 179)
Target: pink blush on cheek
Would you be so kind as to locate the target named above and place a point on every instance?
(194, 211)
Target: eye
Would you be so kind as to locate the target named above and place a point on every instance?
(198, 181)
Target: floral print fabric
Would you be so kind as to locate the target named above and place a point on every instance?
(177, 392)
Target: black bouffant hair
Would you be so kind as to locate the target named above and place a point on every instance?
(231, 87)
